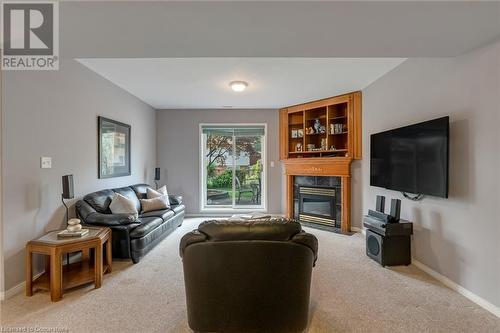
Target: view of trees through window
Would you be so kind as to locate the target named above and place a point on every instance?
(233, 167)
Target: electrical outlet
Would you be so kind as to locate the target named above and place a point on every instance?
(45, 162)
(272, 164)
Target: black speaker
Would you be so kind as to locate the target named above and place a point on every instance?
(395, 209)
(374, 246)
(67, 185)
(380, 204)
(157, 173)
(388, 250)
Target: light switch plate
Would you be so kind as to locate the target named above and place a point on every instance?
(45, 162)
(272, 164)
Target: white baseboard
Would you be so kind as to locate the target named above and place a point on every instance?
(4, 295)
(458, 288)
(361, 230)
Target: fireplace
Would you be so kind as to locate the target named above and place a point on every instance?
(317, 201)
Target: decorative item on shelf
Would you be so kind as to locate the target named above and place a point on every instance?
(157, 176)
(294, 134)
(322, 129)
(332, 147)
(317, 126)
(74, 229)
(338, 128)
(298, 147)
(323, 144)
(311, 146)
(309, 130)
(300, 133)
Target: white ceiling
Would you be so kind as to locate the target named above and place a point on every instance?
(174, 83)
(337, 29)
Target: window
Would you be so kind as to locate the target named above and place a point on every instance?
(232, 166)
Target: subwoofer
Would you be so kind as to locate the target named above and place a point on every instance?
(388, 250)
(374, 246)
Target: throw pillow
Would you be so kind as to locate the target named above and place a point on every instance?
(157, 203)
(120, 204)
(150, 193)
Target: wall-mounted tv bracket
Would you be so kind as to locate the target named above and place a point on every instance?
(416, 197)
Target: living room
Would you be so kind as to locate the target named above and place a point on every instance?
(222, 109)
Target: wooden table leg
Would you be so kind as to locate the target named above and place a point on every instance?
(85, 254)
(98, 265)
(47, 265)
(29, 272)
(55, 275)
(109, 255)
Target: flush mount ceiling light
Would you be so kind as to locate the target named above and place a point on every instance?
(238, 86)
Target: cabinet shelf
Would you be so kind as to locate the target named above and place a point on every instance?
(343, 111)
(339, 117)
(318, 151)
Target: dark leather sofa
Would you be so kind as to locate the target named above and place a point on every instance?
(132, 237)
(248, 276)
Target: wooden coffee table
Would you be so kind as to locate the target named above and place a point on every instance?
(57, 277)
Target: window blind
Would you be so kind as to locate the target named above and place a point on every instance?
(255, 130)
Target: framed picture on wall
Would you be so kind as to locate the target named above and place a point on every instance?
(114, 148)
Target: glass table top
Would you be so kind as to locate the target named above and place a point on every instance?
(52, 238)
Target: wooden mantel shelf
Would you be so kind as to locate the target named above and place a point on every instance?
(341, 118)
(319, 166)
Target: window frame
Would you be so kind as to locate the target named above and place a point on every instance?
(202, 173)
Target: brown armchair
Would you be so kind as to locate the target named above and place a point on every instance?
(248, 276)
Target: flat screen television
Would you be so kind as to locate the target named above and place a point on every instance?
(412, 159)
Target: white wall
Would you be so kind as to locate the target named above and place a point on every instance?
(54, 113)
(179, 150)
(458, 237)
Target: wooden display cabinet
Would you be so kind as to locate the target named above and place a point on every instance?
(340, 118)
(327, 152)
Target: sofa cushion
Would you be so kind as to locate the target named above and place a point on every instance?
(123, 205)
(158, 203)
(147, 225)
(178, 208)
(151, 193)
(271, 229)
(165, 214)
(129, 193)
(140, 190)
(100, 200)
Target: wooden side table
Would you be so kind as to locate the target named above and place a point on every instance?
(57, 278)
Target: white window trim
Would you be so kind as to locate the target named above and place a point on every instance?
(202, 174)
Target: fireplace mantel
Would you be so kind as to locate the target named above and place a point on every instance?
(326, 166)
(338, 167)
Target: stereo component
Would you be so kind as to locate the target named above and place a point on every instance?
(380, 204)
(395, 209)
(68, 187)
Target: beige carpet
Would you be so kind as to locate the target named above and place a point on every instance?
(350, 293)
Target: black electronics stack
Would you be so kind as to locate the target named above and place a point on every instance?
(388, 239)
